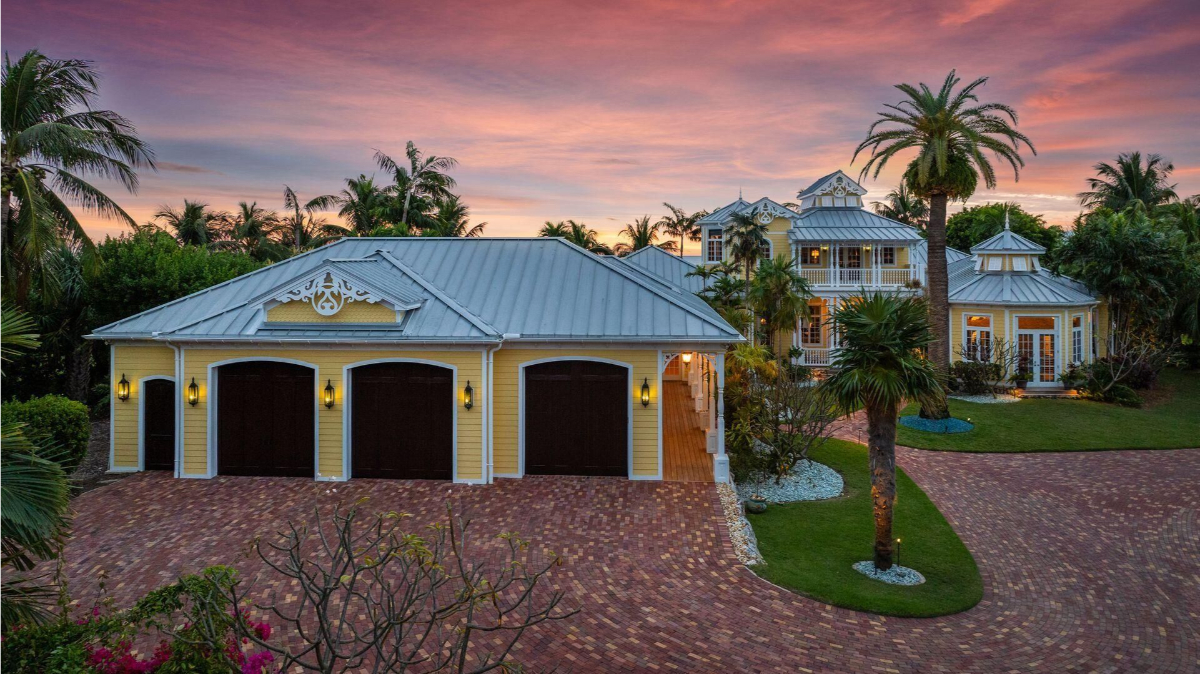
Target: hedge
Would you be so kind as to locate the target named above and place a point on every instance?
(64, 422)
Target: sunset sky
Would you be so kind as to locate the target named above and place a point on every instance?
(600, 111)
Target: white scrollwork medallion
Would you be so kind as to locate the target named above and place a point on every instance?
(328, 293)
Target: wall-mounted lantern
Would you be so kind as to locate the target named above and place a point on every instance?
(193, 393)
(123, 388)
(468, 396)
(687, 356)
(328, 397)
(645, 392)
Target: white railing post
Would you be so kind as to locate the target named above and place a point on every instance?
(720, 460)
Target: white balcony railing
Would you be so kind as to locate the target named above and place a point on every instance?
(862, 277)
(813, 357)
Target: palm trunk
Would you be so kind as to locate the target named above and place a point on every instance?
(680, 245)
(881, 448)
(937, 293)
(79, 371)
(407, 200)
(746, 299)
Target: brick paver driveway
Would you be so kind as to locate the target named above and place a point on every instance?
(1090, 561)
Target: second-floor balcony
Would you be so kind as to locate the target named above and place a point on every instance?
(863, 277)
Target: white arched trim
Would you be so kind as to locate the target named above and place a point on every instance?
(142, 415)
(214, 385)
(347, 436)
(521, 409)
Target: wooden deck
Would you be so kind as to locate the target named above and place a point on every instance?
(685, 458)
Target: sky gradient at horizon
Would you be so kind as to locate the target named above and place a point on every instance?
(601, 111)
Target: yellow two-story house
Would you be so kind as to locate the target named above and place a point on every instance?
(997, 291)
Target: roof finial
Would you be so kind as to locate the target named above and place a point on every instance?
(739, 192)
(1006, 227)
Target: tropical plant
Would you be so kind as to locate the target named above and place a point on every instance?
(254, 230)
(194, 224)
(52, 140)
(788, 417)
(63, 423)
(641, 233)
(879, 366)
(679, 223)
(302, 228)
(555, 230)
(746, 239)
(779, 295)
(1129, 181)
(364, 206)
(976, 224)
(902, 205)
(577, 233)
(950, 131)
(18, 332)
(423, 176)
(453, 219)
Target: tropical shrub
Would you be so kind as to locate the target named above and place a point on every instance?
(975, 377)
(789, 417)
(61, 421)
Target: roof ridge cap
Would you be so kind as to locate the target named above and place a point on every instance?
(441, 296)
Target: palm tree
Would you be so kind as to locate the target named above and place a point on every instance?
(680, 224)
(425, 176)
(364, 205)
(194, 224)
(641, 234)
(902, 206)
(780, 295)
(746, 238)
(452, 219)
(254, 230)
(52, 138)
(1128, 181)
(950, 131)
(302, 229)
(879, 367)
(554, 230)
(577, 233)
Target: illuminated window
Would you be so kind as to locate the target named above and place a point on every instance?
(715, 250)
(810, 255)
(1035, 322)
(1077, 339)
(977, 338)
(810, 330)
(887, 255)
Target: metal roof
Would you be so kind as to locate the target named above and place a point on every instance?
(820, 182)
(765, 204)
(918, 253)
(667, 266)
(849, 224)
(1007, 241)
(1018, 288)
(471, 289)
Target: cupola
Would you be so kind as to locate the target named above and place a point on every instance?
(1007, 252)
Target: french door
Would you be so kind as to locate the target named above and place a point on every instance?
(1038, 351)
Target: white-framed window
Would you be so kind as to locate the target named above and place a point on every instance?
(995, 263)
(714, 246)
(1019, 263)
(810, 330)
(850, 257)
(810, 255)
(1077, 339)
(977, 336)
(887, 255)
(767, 251)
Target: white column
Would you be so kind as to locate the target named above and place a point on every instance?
(720, 460)
(834, 250)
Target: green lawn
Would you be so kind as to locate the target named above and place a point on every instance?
(809, 547)
(1169, 420)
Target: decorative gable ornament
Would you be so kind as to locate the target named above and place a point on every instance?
(328, 292)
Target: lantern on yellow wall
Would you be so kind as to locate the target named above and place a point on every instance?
(193, 393)
(328, 397)
(645, 392)
(468, 396)
(123, 388)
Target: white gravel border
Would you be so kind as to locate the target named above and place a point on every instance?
(897, 575)
(809, 481)
(740, 534)
(988, 400)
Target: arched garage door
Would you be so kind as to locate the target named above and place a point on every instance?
(576, 418)
(265, 419)
(402, 421)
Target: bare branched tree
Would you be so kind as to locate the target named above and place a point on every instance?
(792, 415)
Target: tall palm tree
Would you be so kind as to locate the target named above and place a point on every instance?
(254, 230)
(950, 131)
(1117, 186)
(453, 219)
(879, 367)
(554, 230)
(302, 228)
(679, 223)
(424, 176)
(577, 233)
(364, 205)
(902, 205)
(746, 238)
(194, 224)
(52, 139)
(641, 234)
(780, 295)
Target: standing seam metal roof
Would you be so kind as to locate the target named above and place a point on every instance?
(666, 265)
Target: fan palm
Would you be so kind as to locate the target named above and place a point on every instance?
(424, 176)
(302, 228)
(194, 224)
(950, 131)
(780, 295)
(680, 224)
(52, 138)
(641, 234)
(1128, 181)
(878, 367)
(902, 206)
(453, 219)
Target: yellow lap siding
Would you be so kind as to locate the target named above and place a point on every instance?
(506, 386)
(330, 364)
(134, 362)
(352, 312)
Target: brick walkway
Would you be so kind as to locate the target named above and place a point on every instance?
(1090, 562)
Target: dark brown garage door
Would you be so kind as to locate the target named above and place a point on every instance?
(158, 425)
(265, 419)
(576, 419)
(402, 421)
